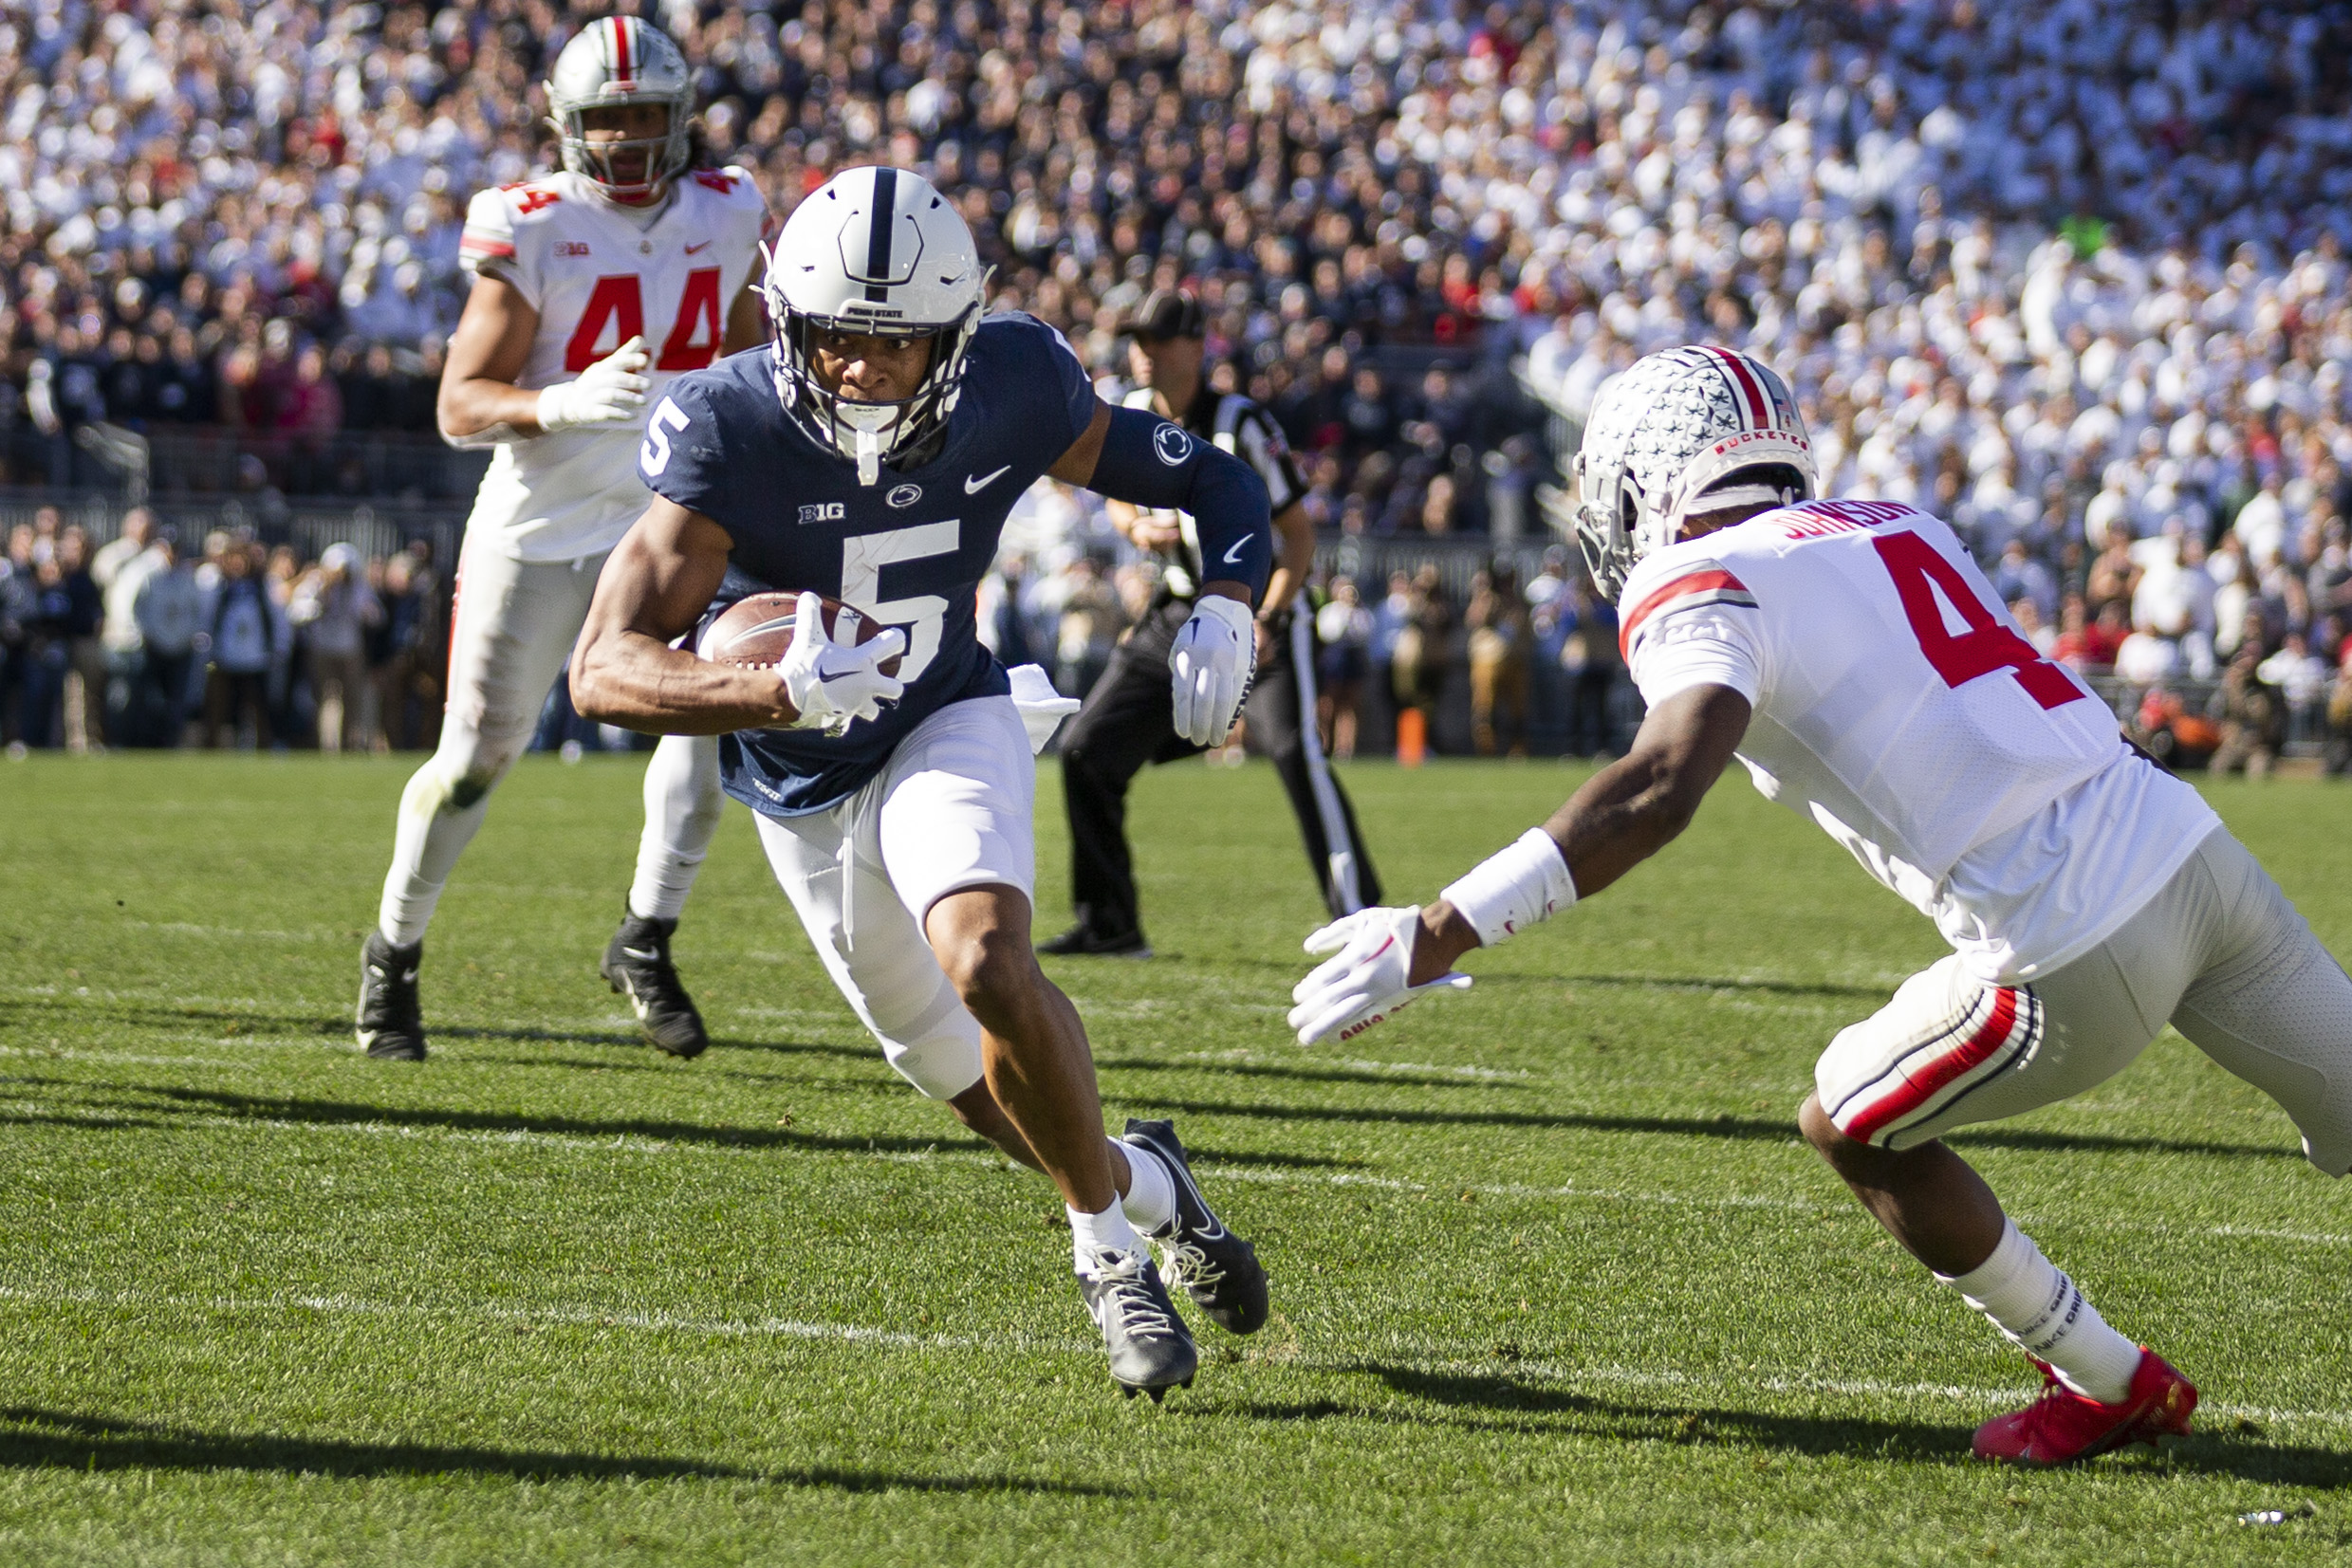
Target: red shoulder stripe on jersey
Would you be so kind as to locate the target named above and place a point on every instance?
(1719, 586)
(1909, 1093)
(1757, 409)
(620, 52)
(487, 247)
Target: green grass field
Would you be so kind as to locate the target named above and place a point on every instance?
(1554, 1281)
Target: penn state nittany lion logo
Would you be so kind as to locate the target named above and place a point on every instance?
(1173, 445)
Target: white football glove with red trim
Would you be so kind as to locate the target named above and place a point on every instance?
(1367, 978)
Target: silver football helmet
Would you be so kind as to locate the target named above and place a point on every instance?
(879, 252)
(616, 61)
(1674, 426)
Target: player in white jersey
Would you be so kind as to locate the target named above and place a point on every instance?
(1852, 656)
(595, 287)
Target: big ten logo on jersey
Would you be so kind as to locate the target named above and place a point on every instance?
(824, 511)
(571, 247)
(616, 313)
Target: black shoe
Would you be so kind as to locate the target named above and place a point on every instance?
(637, 962)
(1151, 1350)
(1217, 1269)
(1081, 942)
(391, 1025)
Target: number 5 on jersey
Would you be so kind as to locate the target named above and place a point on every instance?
(1919, 571)
(616, 313)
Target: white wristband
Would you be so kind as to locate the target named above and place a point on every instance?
(1513, 889)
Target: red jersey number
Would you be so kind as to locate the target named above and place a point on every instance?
(1987, 645)
(616, 313)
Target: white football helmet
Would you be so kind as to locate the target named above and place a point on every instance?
(877, 251)
(1672, 428)
(615, 60)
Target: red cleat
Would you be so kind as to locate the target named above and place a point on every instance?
(2063, 1426)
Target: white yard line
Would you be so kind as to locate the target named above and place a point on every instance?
(630, 1143)
(1419, 1356)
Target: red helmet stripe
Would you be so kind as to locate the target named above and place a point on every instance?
(1757, 409)
(620, 50)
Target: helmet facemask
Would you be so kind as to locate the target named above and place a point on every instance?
(600, 162)
(868, 433)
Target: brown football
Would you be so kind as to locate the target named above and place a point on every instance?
(754, 632)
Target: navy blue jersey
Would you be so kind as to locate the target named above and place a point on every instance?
(908, 551)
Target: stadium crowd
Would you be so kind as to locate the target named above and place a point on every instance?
(2071, 275)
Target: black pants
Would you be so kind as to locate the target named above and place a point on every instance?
(1130, 720)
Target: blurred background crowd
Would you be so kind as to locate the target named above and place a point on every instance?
(2071, 275)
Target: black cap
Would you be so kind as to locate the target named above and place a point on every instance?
(1168, 313)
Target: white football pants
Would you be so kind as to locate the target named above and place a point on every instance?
(2219, 953)
(952, 809)
(512, 631)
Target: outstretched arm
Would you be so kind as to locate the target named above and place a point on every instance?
(655, 585)
(1624, 814)
(1383, 958)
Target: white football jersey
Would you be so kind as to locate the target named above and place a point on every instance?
(599, 275)
(1896, 705)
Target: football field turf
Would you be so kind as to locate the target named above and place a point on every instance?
(1553, 1280)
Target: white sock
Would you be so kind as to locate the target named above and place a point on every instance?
(1150, 1198)
(2046, 1315)
(665, 878)
(1105, 1232)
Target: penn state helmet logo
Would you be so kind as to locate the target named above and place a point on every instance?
(1173, 445)
(905, 495)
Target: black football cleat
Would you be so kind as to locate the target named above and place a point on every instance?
(636, 962)
(1083, 942)
(1217, 1269)
(391, 1026)
(1151, 1350)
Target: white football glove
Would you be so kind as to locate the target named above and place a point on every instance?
(610, 394)
(1366, 981)
(1211, 662)
(829, 676)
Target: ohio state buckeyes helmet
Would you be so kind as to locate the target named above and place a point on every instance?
(875, 251)
(616, 61)
(1670, 430)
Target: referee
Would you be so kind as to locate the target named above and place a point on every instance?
(1129, 716)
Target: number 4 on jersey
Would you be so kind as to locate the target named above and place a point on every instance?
(619, 303)
(1987, 645)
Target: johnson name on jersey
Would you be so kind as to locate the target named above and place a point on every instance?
(1897, 705)
(599, 274)
(909, 550)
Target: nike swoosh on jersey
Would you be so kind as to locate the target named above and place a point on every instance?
(1233, 557)
(974, 484)
(692, 249)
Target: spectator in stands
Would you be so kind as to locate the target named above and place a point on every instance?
(244, 634)
(167, 605)
(2338, 754)
(2252, 717)
(1590, 659)
(1496, 619)
(138, 533)
(1343, 627)
(334, 611)
(83, 719)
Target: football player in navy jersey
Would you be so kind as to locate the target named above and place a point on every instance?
(871, 453)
